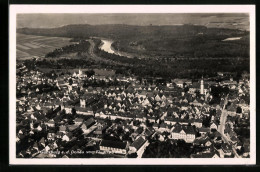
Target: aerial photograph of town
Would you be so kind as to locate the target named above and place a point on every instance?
(131, 85)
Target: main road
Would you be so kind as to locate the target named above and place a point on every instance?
(221, 128)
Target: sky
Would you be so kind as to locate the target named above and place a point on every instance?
(224, 20)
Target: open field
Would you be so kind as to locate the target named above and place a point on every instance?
(30, 45)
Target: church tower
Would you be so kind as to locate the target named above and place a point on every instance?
(80, 72)
(201, 86)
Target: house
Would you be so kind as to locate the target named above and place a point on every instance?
(139, 146)
(169, 120)
(180, 82)
(78, 121)
(231, 110)
(149, 132)
(183, 132)
(63, 129)
(35, 146)
(110, 146)
(246, 149)
(227, 149)
(156, 126)
(151, 119)
(47, 148)
(194, 87)
(21, 132)
(42, 142)
(142, 95)
(196, 102)
(239, 145)
(196, 122)
(51, 136)
(39, 128)
(67, 137)
(203, 131)
(86, 128)
(22, 154)
(50, 123)
(232, 136)
(213, 126)
(84, 111)
(140, 117)
(72, 127)
(86, 125)
(203, 142)
(164, 127)
(31, 133)
(59, 135)
(100, 129)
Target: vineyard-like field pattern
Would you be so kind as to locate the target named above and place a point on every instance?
(28, 46)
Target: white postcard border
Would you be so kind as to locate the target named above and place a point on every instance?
(15, 9)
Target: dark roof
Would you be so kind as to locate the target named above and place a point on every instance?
(149, 131)
(113, 144)
(78, 120)
(204, 129)
(187, 129)
(89, 122)
(138, 143)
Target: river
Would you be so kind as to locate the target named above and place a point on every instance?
(232, 39)
(107, 46)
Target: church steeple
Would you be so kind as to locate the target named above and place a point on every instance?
(201, 86)
(80, 72)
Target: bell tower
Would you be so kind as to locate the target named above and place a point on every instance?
(80, 72)
(201, 86)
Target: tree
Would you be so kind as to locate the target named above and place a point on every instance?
(90, 73)
(120, 130)
(206, 121)
(197, 93)
(71, 122)
(186, 89)
(118, 120)
(73, 111)
(78, 132)
(239, 110)
(70, 81)
(225, 90)
(108, 121)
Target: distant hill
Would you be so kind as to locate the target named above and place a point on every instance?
(159, 41)
(123, 31)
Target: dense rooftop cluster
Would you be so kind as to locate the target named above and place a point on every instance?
(80, 115)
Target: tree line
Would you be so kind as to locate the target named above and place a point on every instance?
(79, 48)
